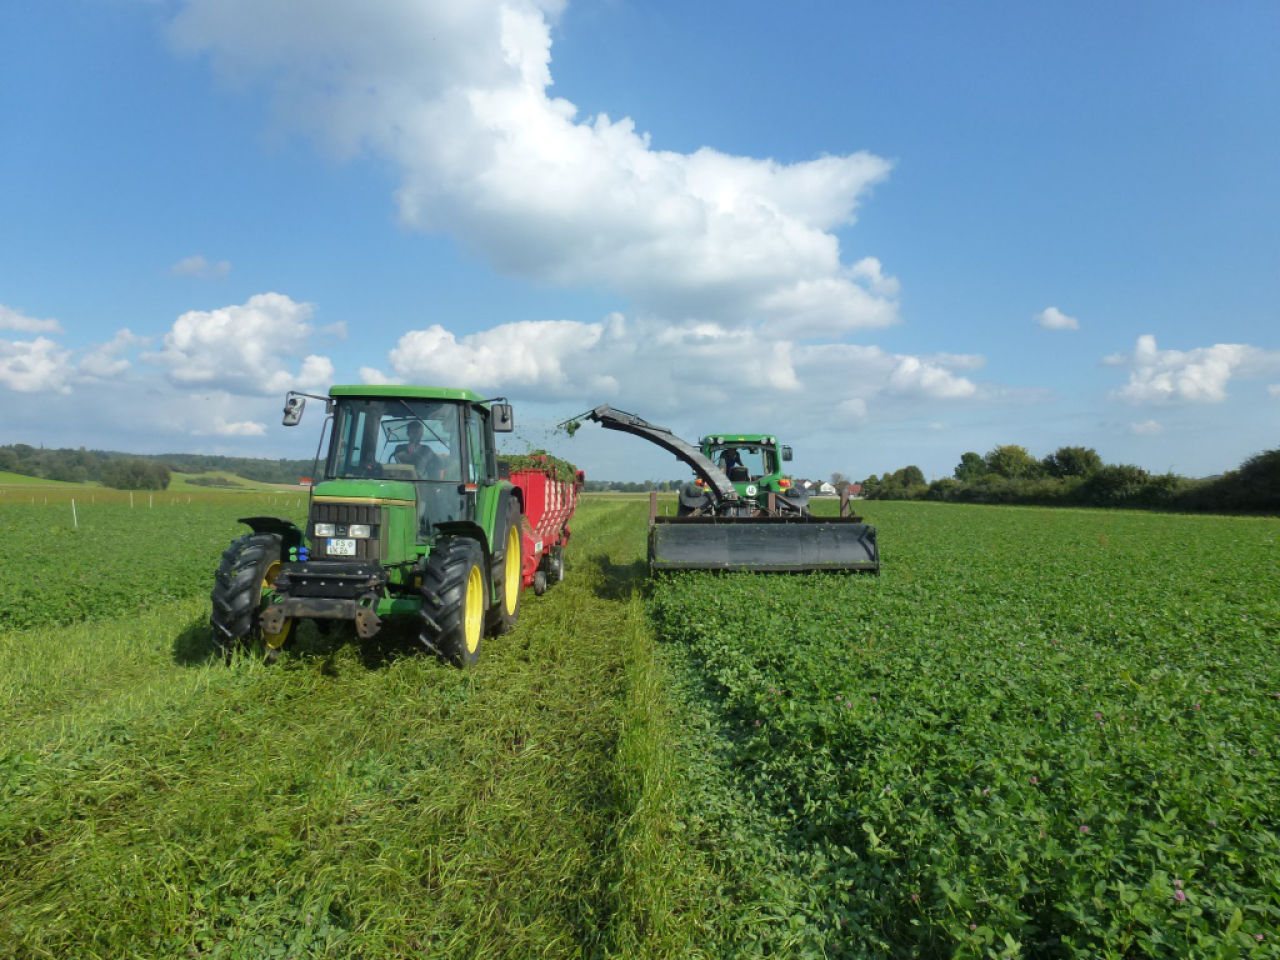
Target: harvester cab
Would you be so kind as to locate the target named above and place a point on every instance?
(734, 517)
(753, 464)
(411, 516)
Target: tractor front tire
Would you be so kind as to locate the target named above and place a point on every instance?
(508, 572)
(245, 569)
(454, 600)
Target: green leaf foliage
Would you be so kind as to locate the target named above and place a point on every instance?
(542, 462)
(1039, 733)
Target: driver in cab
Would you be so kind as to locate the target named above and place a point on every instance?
(426, 462)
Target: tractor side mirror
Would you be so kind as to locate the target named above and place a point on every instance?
(293, 407)
(503, 420)
(786, 452)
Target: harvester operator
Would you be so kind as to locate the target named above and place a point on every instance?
(732, 465)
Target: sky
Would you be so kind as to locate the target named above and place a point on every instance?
(889, 233)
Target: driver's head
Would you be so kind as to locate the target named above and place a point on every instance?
(415, 432)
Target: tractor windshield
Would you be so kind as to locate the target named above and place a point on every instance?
(404, 439)
(744, 461)
(395, 440)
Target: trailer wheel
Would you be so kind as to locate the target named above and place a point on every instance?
(555, 565)
(454, 600)
(508, 569)
(247, 568)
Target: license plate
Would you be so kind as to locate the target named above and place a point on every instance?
(341, 547)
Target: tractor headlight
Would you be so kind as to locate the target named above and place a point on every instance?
(326, 530)
(358, 531)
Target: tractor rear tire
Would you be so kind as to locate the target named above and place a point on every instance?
(454, 596)
(237, 589)
(508, 572)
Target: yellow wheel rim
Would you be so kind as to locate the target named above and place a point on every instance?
(473, 616)
(511, 586)
(275, 640)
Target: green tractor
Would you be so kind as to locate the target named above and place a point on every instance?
(739, 518)
(753, 463)
(409, 518)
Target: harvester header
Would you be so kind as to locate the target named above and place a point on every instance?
(742, 514)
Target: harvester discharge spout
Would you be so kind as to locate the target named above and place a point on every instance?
(744, 523)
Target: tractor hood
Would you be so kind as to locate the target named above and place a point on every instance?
(366, 490)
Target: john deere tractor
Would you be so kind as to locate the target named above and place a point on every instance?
(409, 518)
(742, 514)
(753, 464)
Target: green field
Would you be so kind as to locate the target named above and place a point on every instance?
(8, 480)
(1038, 733)
(221, 481)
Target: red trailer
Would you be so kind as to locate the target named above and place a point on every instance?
(548, 504)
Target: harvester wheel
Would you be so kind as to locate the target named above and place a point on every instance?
(508, 570)
(246, 569)
(453, 600)
(555, 565)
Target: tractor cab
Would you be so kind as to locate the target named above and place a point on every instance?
(752, 462)
(411, 449)
(404, 465)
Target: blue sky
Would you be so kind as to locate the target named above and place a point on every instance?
(892, 233)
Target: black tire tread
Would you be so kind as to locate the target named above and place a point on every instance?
(237, 587)
(444, 588)
(496, 620)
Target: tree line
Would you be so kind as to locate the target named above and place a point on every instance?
(127, 471)
(631, 486)
(1077, 476)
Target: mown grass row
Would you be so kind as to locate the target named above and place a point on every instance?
(361, 799)
(1039, 733)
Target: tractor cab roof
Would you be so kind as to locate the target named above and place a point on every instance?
(406, 392)
(719, 439)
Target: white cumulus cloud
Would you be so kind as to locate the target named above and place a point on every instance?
(456, 96)
(1189, 376)
(245, 349)
(11, 319)
(1052, 318)
(201, 267)
(109, 359)
(242, 428)
(657, 366)
(35, 366)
